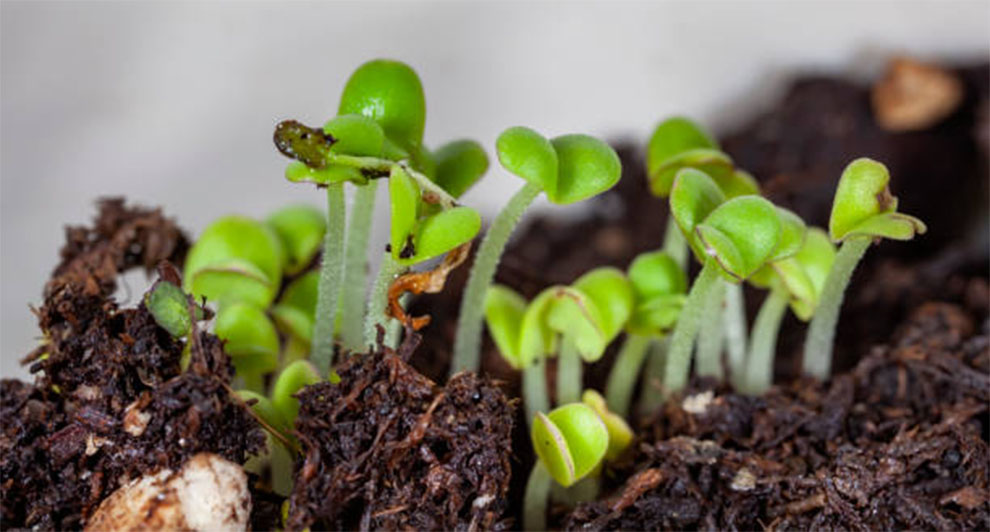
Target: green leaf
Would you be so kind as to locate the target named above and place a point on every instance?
(404, 203)
(298, 172)
(293, 378)
(442, 232)
(390, 93)
(656, 274)
(244, 245)
(693, 197)
(536, 338)
(460, 164)
(792, 234)
(575, 316)
(864, 207)
(804, 274)
(300, 228)
(619, 433)
(169, 305)
(741, 234)
(551, 449)
(355, 135)
(585, 435)
(504, 311)
(264, 408)
(528, 155)
(680, 143)
(250, 338)
(587, 167)
(656, 316)
(296, 309)
(738, 183)
(231, 281)
(612, 294)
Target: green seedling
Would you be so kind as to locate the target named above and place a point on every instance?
(732, 238)
(169, 305)
(300, 228)
(620, 435)
(251, 341)
(797, 280)
(568, 169)
(292, 379)
(659, 285)
(236, 259)
(863, 211)
(295, 314)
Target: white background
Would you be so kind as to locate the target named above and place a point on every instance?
(174, 103)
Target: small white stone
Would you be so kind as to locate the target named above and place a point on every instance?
(743, 481)
(698, 403)
(135, 420)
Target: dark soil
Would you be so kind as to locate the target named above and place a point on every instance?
(387, 449)
(110, 401)
(898, 443)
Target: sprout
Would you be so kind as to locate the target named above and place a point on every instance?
(169, 306)
(292, 379)
(658, 286)
(568, 169)
(863, 210)
(619, 433)
(300, 228)
(235, 259)
(250, 340)
(295, 312)
(797, 280)
(733, 239)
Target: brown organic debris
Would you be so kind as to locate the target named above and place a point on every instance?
(429, 282)
(913, 95)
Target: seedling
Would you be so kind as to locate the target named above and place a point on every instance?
(568, 169)
(797, 280)
(863, 211)
(250, 340)
(300, 228)
(733, 239)
(658, 284)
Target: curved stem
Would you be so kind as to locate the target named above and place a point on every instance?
(467, 343)
(568, 373)
(355, 283)
(331, 274)
(650, 397)
(387, 272)
(536, 497)
(675, 375)
(759, 365)
(622, 378)
(735, 330)
(674, 243)
(534, 388)
(708, 357)
(821, 332)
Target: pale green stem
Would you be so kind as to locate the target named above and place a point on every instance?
(622, 378)
(735, 329)
(536, 497)
(355, 284)
(534, 388)
(675, 375)
(467, 342)
(331, 275)
(708, 361)
(674, 243)
(568, 373)
(821, 332)
(759, 365)
(650, 397)
(387, 273)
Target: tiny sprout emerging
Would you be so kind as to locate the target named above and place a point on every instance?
(295, 311)
(863, 210)
(619, 433)
(300, 229)
(251, 340)
(169, 305)
(679, 143)
(235, 259)
(570, 441)
(292, 379)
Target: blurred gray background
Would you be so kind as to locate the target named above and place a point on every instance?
(173, 104)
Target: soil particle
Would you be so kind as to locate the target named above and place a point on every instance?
(899, 443)
(110, 401)
(386, 448)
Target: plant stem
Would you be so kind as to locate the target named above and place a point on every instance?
(295, 349)
(387, 272)
(534, 387)
(355, 282)
(467, 342)
(821, 332)
(675, 375)
(735, 329)
(708, 361)
(331, 272)
(568, 373)
(536, 497)
(650, 397)
(622, 378)
(759, 365)
(674, 243)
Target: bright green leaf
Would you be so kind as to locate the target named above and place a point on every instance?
(863, 205)
(619, 433)
(355, 134)
(741, 234)
(655, 274)
(230, 281)
(250, 338)
(693, 197)
(585, 433)
(552, 450)
(298, 172)
(293, 378)
(460, 164)
(390, 93)
(295, 312)
(300, 228)
(404, 203)
(576, 317)
(587, 167)
(504, 311)
(612, 294)
(679, 143)
(169, 305)
(536, 338)
(442, 232)
(791, 235)
(529, 155)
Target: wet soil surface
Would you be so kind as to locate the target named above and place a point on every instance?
(110, 401)
(386, 448)
(898, 443)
